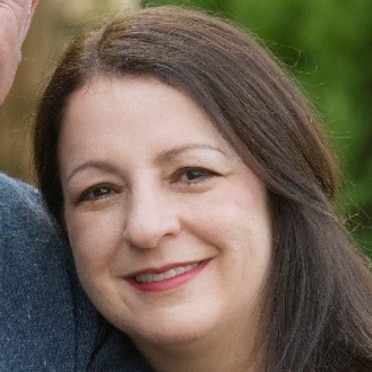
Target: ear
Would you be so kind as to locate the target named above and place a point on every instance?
(30, 10)
(33, 6)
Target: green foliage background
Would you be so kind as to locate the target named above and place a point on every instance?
(327, 46)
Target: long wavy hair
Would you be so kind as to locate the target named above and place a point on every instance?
(318, 302)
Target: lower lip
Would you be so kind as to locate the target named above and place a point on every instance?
(167, 284)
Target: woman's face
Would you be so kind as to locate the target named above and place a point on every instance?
(170, 230)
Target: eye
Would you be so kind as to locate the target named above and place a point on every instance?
(191, 175)
(98, 192)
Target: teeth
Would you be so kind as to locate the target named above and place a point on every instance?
(147, 278)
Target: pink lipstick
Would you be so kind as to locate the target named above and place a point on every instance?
(166, 278)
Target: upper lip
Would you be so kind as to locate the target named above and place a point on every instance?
(162, 269)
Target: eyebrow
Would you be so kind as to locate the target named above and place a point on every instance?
(162, 158)
(172, 153)
(95, 164)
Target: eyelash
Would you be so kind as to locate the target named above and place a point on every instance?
(88, 195)
(200, 175)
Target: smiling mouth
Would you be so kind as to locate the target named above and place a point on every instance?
(172, 273)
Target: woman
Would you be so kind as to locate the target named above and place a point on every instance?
(195, 185)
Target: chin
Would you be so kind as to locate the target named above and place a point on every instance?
(173, 329)
(168, 338)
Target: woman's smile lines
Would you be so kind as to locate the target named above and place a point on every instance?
(152, 277)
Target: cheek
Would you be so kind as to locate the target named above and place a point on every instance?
(238, 213)
(94, 240)
(240, 225)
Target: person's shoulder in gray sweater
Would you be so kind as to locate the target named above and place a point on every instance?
(46, 321)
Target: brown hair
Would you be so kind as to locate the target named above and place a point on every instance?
(319, 298)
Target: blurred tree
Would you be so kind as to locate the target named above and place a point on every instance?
(327, 47)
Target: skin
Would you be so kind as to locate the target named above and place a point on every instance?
(15, 19)
(139, 198)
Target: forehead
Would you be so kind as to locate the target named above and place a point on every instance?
(130, 111)
(127, 93)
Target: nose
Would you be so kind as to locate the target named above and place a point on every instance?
(150, 219)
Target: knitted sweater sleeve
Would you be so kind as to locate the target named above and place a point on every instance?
(38, 324)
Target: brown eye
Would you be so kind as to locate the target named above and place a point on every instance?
(100, 192)
(97, 192)
(194, 175)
